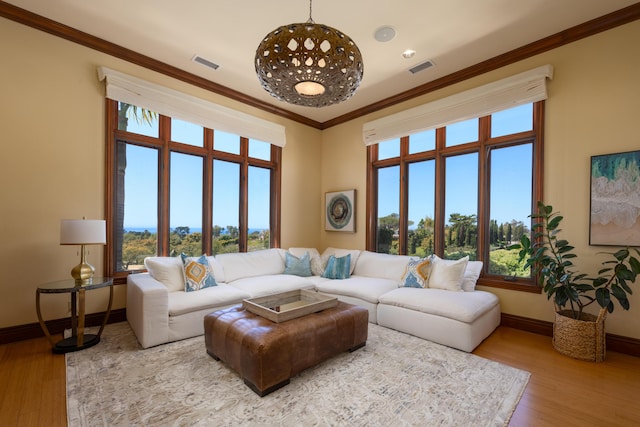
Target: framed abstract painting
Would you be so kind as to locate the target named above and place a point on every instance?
(615, 199)
(340, 212)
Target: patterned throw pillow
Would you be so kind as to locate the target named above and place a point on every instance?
(416, 275)
(197, 274)
(297, 266)
(338, 268)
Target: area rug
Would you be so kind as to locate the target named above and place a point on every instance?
(396, 379)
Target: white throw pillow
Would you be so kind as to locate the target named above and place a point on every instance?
(447, 274)
(166, 270)
(471, 276)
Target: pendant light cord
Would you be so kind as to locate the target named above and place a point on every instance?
(310, 10)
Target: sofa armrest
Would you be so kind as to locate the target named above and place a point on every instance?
(148, 309)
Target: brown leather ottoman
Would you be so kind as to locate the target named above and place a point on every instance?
(267, 354)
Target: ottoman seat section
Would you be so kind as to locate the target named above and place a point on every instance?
(463, 306)
(456, 319)
(267, 354)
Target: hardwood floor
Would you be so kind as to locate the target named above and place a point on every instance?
(32, 384)
(561, 392)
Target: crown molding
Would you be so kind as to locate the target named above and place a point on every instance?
(587, 29)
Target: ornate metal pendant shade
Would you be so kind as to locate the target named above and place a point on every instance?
(309, 64)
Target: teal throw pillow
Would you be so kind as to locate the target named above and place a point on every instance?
(297, 266)
(197, 274)
(338, 268)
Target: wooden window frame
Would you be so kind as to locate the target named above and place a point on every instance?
(165, 147)
(483, 146)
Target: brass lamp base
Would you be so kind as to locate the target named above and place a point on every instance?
(83, 272)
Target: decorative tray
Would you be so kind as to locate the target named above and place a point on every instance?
(289, 305)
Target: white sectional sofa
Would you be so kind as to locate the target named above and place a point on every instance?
(159, 309)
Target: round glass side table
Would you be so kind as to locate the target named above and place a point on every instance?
(78, 339)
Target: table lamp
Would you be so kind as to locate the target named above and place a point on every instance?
(83, 232)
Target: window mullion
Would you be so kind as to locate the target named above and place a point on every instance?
(243, 221)
(439, 220)
(484, 190)
(274, 203)
(403, 225)
(372, 200)
(207, 192)
(164, 168)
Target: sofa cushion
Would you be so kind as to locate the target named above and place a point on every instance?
(317, 267)
(216, 268)
(462, 306)
(197, 273)
(166, 270)
(250, 264)
(259, 286)
(219, 296)
(447, 274)
(373, 264)
(365, 288)
(297, 266)
(338, 267)
(340, 253)
(416, 274)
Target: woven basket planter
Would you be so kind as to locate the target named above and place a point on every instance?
(582, 339)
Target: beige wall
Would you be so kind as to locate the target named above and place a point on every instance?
(52, 166)
(52, 162)
(593, 108)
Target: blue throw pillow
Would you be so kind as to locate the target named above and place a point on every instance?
(298, 266)
(338, 268)
(197, 274)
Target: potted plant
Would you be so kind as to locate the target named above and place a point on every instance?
(575, 332)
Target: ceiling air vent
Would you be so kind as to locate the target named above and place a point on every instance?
(205, 62)
(421, 67)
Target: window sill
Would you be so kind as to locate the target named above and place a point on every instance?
(521, 285)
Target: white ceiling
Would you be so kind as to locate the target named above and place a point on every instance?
(454, 34)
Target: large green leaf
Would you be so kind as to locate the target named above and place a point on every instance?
(621, 254)
(603, 296)
(553, 223)
(626, 287)
(565, 249)
(624, 303)
(561, 297)
(618, 292)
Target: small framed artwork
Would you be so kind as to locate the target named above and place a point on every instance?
(615, 199)
(340, 210)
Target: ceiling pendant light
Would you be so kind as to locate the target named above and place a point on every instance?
(309, 64)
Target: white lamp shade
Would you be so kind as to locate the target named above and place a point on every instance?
(83, 232)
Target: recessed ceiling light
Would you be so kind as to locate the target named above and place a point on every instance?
(384, 34)
(409, 53)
